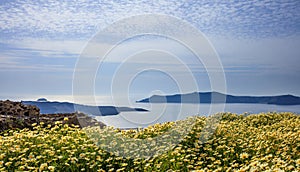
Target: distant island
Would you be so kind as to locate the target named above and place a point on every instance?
(216, 97)
(47, 107)
(42, 100)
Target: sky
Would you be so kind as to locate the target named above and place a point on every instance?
(41, 42)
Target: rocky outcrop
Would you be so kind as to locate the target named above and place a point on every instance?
(18, 109)
(17, 115)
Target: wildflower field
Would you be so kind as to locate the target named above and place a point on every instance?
(260, 142)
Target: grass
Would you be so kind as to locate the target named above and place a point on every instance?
(260, 142)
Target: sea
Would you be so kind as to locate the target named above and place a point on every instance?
(160, 113)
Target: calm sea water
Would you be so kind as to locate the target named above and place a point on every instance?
(159, 113)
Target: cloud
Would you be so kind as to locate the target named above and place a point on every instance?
(268, 55)
(39, 55)
(70, 17)
(274, 55)
(49, 48)
(8, 61)
(253, 38)
(244, 18)
(18, 64)
(81, 19)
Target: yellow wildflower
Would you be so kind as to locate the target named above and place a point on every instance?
(244, 155)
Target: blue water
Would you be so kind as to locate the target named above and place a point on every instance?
(159, 113)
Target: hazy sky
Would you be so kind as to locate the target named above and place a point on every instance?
(40, 41)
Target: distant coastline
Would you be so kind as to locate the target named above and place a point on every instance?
(47, 107)
(216, 97)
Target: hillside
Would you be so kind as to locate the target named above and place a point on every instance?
(261, 142)
(215, 97)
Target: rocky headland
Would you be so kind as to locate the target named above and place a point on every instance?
(18, 115)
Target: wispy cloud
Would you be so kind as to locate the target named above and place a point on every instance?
(51, 48)
(39, 54)
(13, 63)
